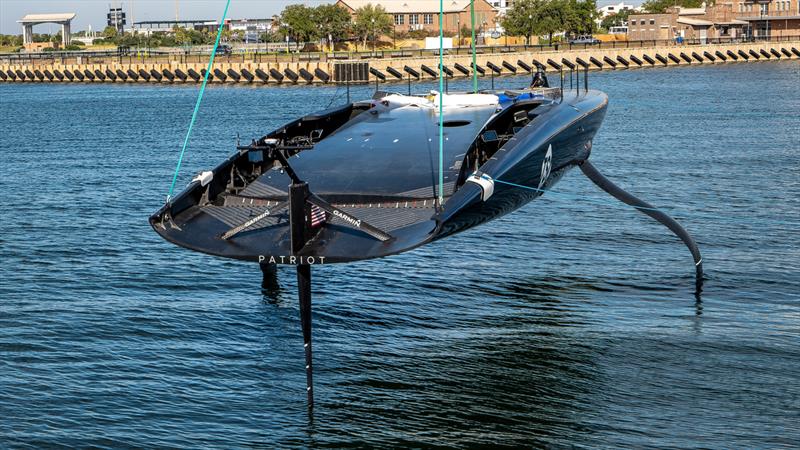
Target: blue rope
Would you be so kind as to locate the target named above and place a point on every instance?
(199, 99)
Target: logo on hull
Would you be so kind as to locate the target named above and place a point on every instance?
(547, 166)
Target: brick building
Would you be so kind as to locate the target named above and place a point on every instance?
(412, 15)
(732, 19)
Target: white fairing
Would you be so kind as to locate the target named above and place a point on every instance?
(204, 177)
(460, 100)
(485, 182)
(394, 101)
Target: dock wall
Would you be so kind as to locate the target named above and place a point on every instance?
(263, 73)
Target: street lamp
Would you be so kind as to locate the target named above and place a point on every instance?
(372, 29)
(458, 30)
(530, 27)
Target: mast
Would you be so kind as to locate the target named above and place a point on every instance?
(474, 60)
(440, 197)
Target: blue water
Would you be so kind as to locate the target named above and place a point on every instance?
(570, 322)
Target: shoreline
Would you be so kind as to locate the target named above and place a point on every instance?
(408, 69)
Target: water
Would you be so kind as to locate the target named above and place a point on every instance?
(569, 322)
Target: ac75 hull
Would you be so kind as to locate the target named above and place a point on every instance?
(558, 138)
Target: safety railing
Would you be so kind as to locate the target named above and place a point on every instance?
(161, 56)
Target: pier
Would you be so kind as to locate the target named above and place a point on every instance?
(308, 70)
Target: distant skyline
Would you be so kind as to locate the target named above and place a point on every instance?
(93, 12)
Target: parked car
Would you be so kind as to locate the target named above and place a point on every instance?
(224, 49)
(586, 39)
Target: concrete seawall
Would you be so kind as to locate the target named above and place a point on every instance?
(309, 72)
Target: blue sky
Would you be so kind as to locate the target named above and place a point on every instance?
(93, 12)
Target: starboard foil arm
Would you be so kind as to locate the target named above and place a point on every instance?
(605, 184)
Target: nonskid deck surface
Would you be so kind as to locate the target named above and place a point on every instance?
(384, 153)
(388, 216)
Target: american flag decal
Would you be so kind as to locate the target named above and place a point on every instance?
(318, 216)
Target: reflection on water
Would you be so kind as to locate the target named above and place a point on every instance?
(570, 322)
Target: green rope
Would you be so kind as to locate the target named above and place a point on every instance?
(441, 102)
(474, 60)
(199, 99)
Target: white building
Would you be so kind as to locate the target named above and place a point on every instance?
(251, 28)
(501, 5)
(607, 10)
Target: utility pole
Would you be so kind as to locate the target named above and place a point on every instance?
(133, 18)
(176, 11)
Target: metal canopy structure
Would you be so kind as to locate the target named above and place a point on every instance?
(63, 19)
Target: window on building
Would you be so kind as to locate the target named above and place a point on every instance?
(652, 21)
(633, 21)
(610, 8)
(427, 19)
(413, 19)
(399, 19)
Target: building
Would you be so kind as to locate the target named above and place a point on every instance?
(410, 15)
(779, 18)
(30, 20)
(251, 28)
(608, 10)
(502, 6)
(116, 18)
(148, 27)
(726, 20)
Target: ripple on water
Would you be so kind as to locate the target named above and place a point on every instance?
(569, 322)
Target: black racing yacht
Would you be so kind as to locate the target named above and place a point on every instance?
(385, 175)
(370, 175)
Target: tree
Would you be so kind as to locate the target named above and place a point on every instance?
(371, 22)
(109, 33)
(581, 15)
(615, 20)
(523, 19)
(296, 21)
(660, 6)
(333, 21)
(269, 36)
(528, 17)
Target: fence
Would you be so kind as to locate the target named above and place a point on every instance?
(201, 56)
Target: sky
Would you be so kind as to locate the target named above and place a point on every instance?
(93, 12)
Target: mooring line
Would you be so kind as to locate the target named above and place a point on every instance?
(199, 99)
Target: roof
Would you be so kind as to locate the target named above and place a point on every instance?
(732, 22)
(691, 11)
(168, 22)
(410, 6)
(695, 22)
(760, 18)
(44, 18)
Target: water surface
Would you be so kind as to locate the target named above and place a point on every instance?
(569, 322)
